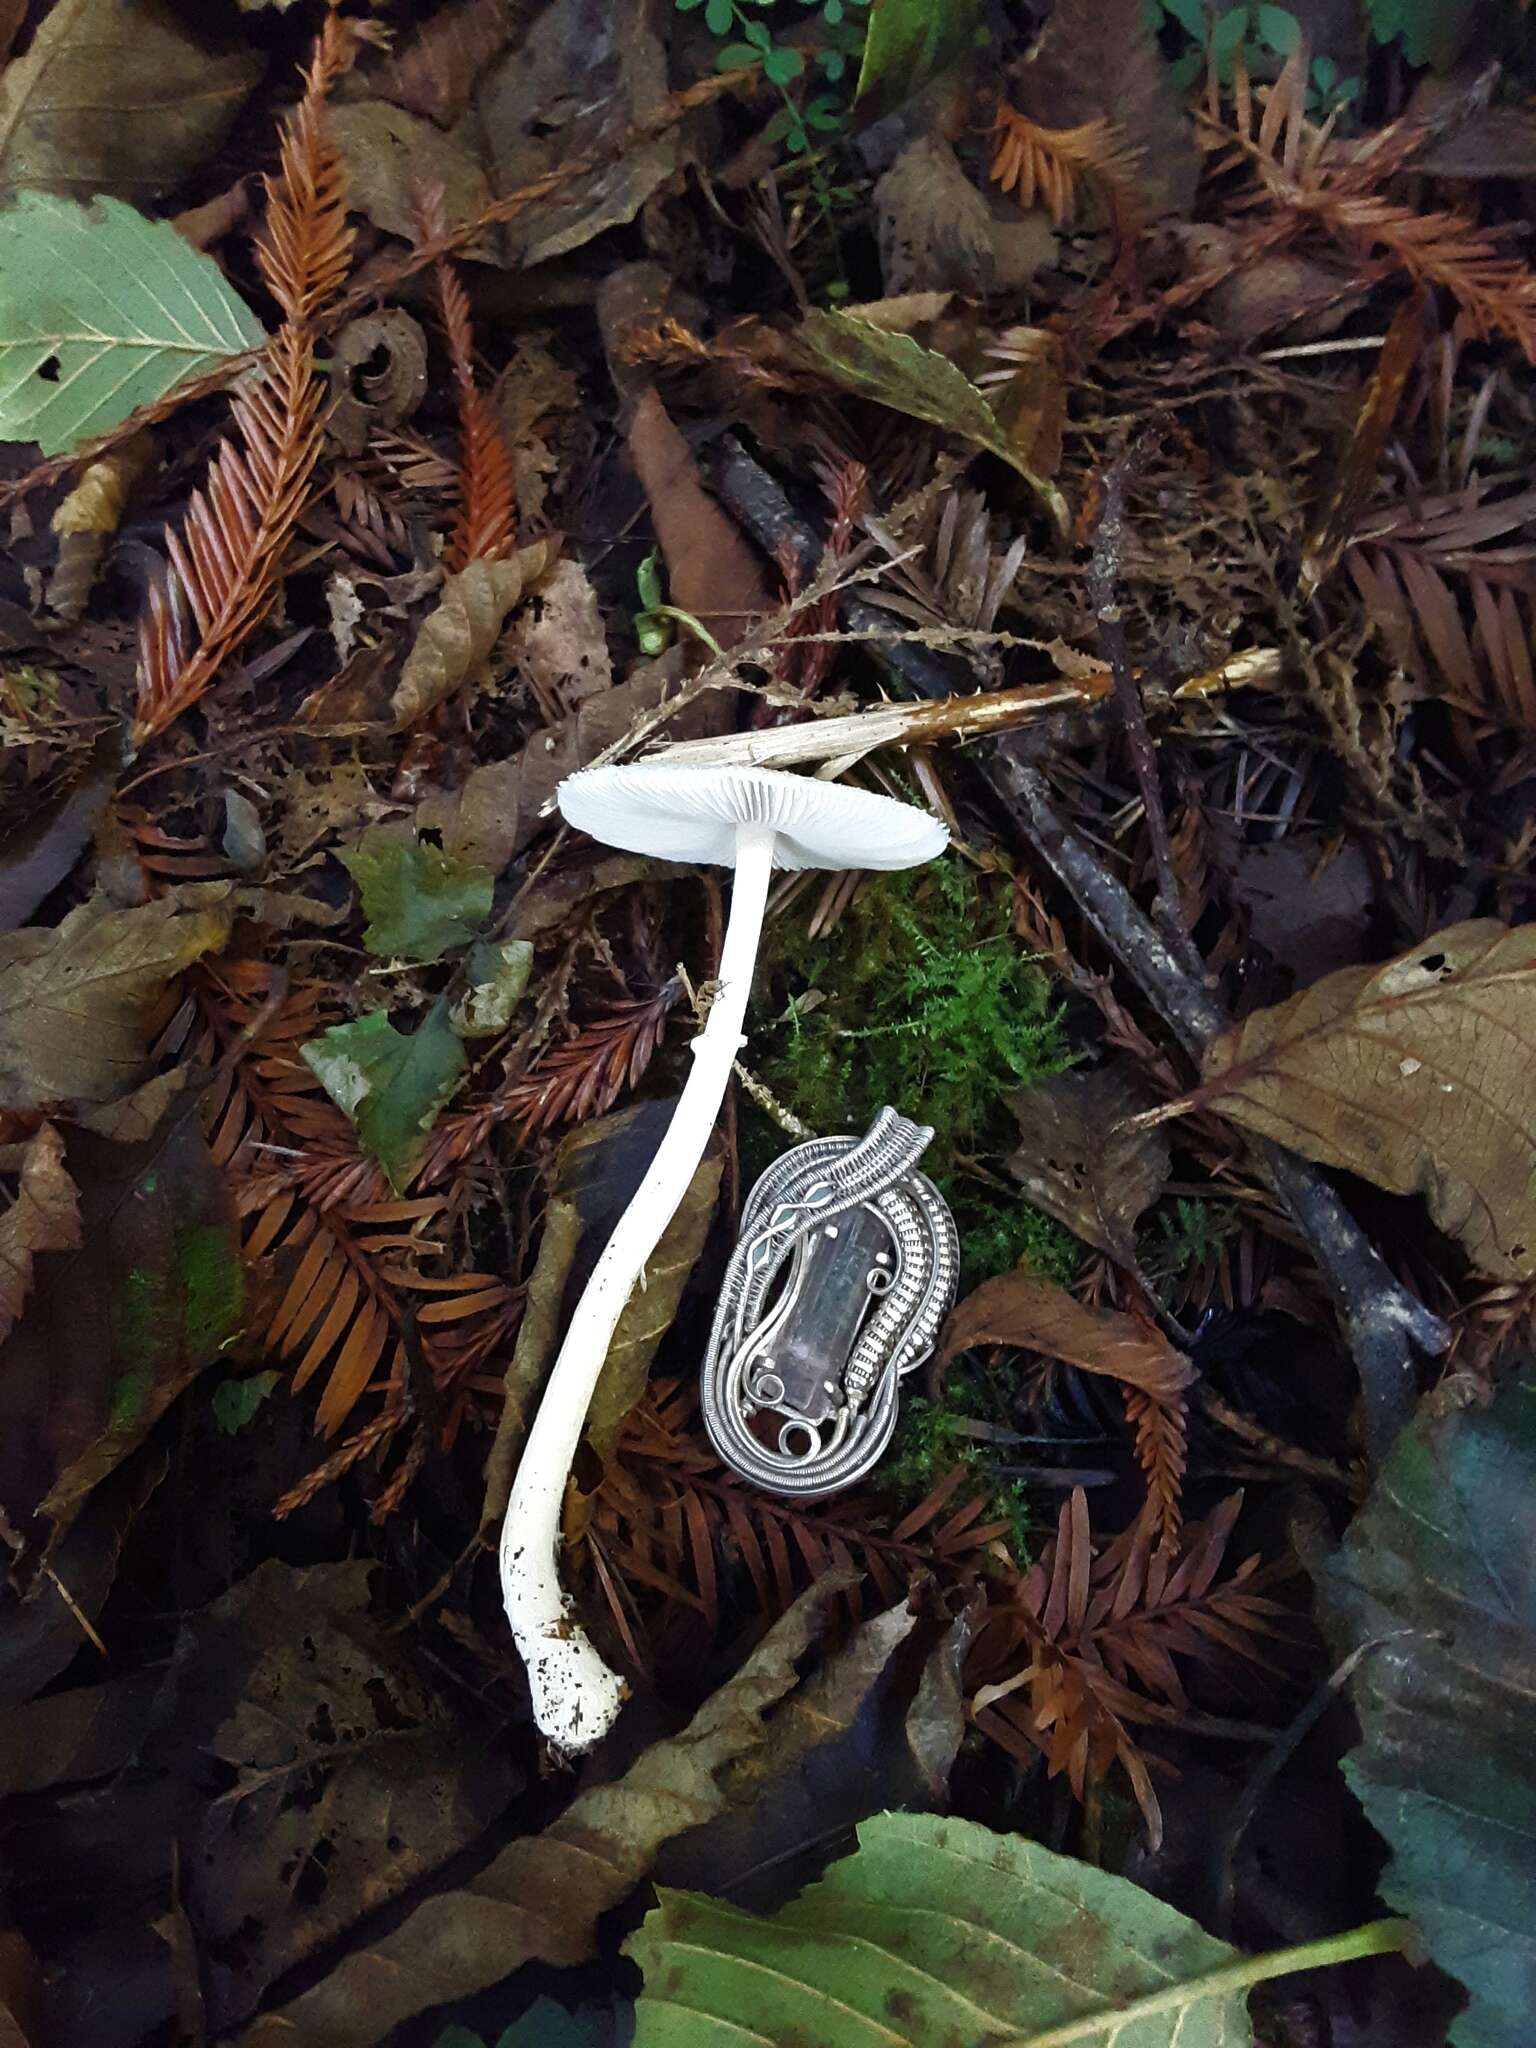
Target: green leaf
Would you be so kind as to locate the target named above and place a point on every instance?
(896, 371)
(235, 1402)
(418, 901)
(1228, 35)
(101, 311)
(1190, 15)
(783, 66)
(938, 1930)
(910, 41)
(719, 16)
(1444, 1550)
(833, 64)
(687, 6)
(1278, 29)
(736, 56)
(1433, 32)
(757, 35)
(498, 975)
(390, 1083)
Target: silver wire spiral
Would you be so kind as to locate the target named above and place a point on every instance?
(843, 1274)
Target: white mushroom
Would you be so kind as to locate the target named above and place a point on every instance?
(752, 820)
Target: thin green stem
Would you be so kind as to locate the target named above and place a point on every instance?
(1376, 1938)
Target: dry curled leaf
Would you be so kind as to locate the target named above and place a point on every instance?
(76, 998)
(1414, 1075)
(1077, 1162)
(363, 396)
(44, 1217)
(1015, 1308)
(454, 642)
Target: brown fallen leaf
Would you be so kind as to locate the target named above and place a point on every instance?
(118, 1324)
(88, 516)
(45, 1217)
(540, 1898)
(559, 643)
(76, 998)
(1015, 1308)
(532, 122)
(1415, 1075)
(1075, 1161)
(435, 71)
(36, 856)
(711, 571)
(454, 641)
(337, 1756)
(596, 1171)
(599, 1167)
(934, 226)
(117, 96)
(1098, 60)
(559, 750)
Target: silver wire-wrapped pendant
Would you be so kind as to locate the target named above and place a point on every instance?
(843, 1274)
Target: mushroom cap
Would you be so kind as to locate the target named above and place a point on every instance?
(692, 814)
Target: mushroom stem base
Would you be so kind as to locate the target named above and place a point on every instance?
(576, 1698)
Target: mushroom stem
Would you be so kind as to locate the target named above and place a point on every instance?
(575, 1696)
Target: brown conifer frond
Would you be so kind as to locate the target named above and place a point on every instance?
(222, 575)
(676, 1536)
(329, 1289)
(224, 568)
(1496, 292)
(486, 527)
(305, 250)
(1309, 177)
(582, 1078)
(1046, 164)
(1081, 1648)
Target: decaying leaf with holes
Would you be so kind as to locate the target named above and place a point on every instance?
(121, 1319)
(454, 642)
(541, 1898)
(1077, 1162)
(1016, 1308)
(338, 1756)
(1415, 1075)
(43, 1217)
(76, 998)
